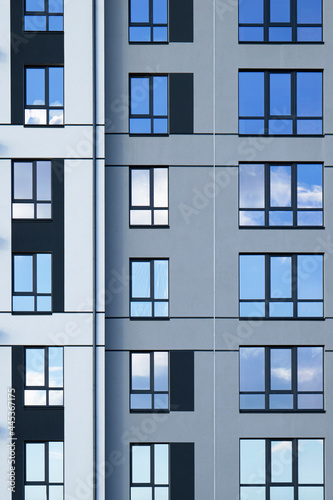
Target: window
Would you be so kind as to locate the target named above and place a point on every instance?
(280, 195)
(32, 282)
(276, 469)
(44, 96)
(280, 21)
(31, 190)
(149, 288)
(281, 378)
(44, 376)
(280, 102)
(150, 472)
(149, 381)
(149, 197)
(148, 21)
(281, 286)
(44, 475)
(44, 15)
(148, 104)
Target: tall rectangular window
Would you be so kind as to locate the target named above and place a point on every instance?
(43, 15)
(281, 195)
(281, 378)
(282, 469)
(280, 102)
(32, 190)
(280, 21)
(44, 471)
(148, 21)
(148, 104)
(149, 196)
(32, 282)
(44, 376)
(149, 381)
(281, 286)
(150, 476)
(149, 295)
(44, 95)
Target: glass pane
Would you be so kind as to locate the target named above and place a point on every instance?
(23, 304)
(280, 11)
(56, 462)
(140, 464)
(309, 368)
(309, 93)
(44, 262)
(252, 460)
(139, 96)
(161, 401)
(282, 493)
(43, 171)
(35, 398)
(251, 12)
(255, 127)
(281, 310)
(251, 93)
(252, 186)
(56, 86)
(35, 86)
(141, 309)
(309, 186)
(56, 398)
(140, 279)
(162, 493)
(23, 211)
(310, 402)
(280, 186)
(160, 34)
(310, 218)
(44, 211)
(140, 371)
(140, 126)
(141, 401)
(35, 23)
(252, 402)
(56, 23)
(161, 279)
(56, 117)
(23, 272)
(161, 309)
(251, 218)
(280, 277)
(56, 492)
(35, 5)
(160, 125)
(280, 34)
(56, 366)
(141, 493)
(309, 11)
(35, 117)
(252, 369)
(140, 217)
(252, 309)
(161, 463)
(34, 367)
(139, 34)
(310, 276)
(310, 127)
(35, 493)
(44, 304)
(252, 276)
(56, 6)
(160, 187)
(140, 187)
(160, 11)
(161, 371)
(247, 34)
(277, 218)
(310, 493)
(280, 127)
(281, 402)
(247, 493)
(310, 309)
(281, 462)
(35, 461)
(139, 11)
(23, 181)
(280, 93)
(309, 34)
(310, 461)
(161, 217)
(281, 369)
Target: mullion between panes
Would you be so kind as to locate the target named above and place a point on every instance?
(152, 200)
(34, 283)
(47, 382)
(294, 371)
(34, 187)
(293, 173)
(267, 285)
(152, 379)
(151, 103)
(266, 14)
(151, 20)
(267, 377)
(293, 20)
(47, 97)
(293, 100)
(152, 288)
(267, 182)
(266, 101)
(294, 288)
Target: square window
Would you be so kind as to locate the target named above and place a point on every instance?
(44, 470)
(149, 381)
(149, 196)
(43, 15)
(149, 295)
(148, 105)
(44, 96)
(148, 21)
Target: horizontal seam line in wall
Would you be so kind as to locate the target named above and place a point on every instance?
(182, 349)
(169, 165)
(45, 156)
(46, 344)
(171, 317)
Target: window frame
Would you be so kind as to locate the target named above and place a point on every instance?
(34, 283)
(151, 206)
(294, 382)
(150, 25)
(293, 24)
(46, 106)
(34, 199)
(151, 299)
(293, 117)
(293, 208)
(294, 277)
(46, 387)
(45, 13)
(150, 115)
(152, 483)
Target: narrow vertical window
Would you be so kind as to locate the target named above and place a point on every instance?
(149, 288)
(44, 471)
(44, 376)
(44, 96)
(149, 196)
(148, 104)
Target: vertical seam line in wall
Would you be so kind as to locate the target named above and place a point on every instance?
(214, 247)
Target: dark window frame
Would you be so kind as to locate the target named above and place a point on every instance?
(294, 381)
(150, 115)
(293, 208)
(34, 199)
(34, 284)
(46, 387)
(266, 117)
(151, 207)
(150, 25)
(268, 299)
(293, 24)
(150, 391)
(151, 299)
(151, 484)
(46, 106)
(45, 13)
